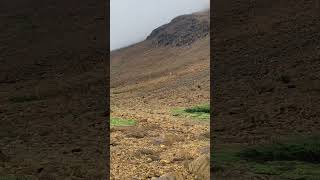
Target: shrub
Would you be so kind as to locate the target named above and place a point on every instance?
(121, 122)
(203, 109)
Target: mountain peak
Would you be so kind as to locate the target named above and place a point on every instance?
(182, 30)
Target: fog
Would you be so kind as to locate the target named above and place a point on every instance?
(133, 20)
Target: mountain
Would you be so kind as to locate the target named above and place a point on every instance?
(168, 70)
(147, 58)
(182, 30)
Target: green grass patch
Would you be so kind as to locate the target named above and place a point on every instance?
(226, 156)
(201, 112)
(199, 109)
(122, 122)
(287, 169)
(21, 99)
(294, 158)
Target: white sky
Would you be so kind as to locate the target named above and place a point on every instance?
(133, 20)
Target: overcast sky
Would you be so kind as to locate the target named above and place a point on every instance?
(133, 20)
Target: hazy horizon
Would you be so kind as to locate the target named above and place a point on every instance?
(133, 20)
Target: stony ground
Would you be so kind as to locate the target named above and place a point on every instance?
(147, 83)
(160, 143)
(157, 145)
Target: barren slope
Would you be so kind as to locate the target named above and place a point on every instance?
(148, 80)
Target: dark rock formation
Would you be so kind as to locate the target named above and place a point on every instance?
(182, 30)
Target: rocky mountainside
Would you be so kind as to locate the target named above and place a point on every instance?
(169, 70)
(159, 53)
(182, 30)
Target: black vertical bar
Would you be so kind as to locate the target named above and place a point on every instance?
(107, 73)
(211, 87)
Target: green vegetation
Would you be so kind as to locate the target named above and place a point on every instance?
(298, 149)
(290, 159)
(21, 99)
(201, 112)
(199, 109)
(288, 169)
(121, 122)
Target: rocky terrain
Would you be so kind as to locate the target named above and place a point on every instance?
(186, 30)
(53, 90)
(169, 70)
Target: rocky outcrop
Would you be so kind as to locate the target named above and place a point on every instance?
(201, 167)
(183, 30)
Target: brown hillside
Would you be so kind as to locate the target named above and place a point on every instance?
(148, 81)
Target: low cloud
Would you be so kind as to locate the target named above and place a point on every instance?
(133, 20)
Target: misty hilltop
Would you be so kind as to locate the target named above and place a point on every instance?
(159, 52)
(182, 30)
(125, 31)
